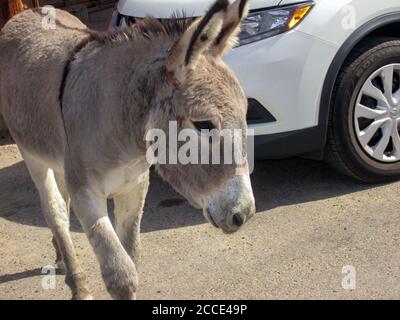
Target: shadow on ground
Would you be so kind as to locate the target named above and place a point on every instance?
(275, 183)
(20, 275)
(5, 138)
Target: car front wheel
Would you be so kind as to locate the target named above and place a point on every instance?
(363, 132)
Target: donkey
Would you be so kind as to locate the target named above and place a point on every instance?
(79, 105)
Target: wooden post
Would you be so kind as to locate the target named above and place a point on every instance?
(9, 8)
(15, 7)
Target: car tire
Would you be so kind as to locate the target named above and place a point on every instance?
(348, 149)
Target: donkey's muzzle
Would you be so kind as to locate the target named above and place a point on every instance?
(229, 219)
(232, 205)
(234, 222)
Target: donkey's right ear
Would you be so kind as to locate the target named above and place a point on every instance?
(198, 38)
(227, 39)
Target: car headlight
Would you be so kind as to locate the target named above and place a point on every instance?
(267, 23)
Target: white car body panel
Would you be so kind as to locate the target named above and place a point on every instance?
(284, 73)
(278, 80)
(329, 21)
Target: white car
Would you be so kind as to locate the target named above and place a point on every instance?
(322, 78)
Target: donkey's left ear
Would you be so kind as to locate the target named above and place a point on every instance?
(198, 38)
(227, 38)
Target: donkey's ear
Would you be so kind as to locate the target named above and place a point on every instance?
(200, 35)
(227, 38)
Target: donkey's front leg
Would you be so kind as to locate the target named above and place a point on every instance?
(128, 211)
(117, 268)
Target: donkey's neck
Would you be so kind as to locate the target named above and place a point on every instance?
(135, 76)
(151, 95)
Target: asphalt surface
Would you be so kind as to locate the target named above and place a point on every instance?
(310, 223)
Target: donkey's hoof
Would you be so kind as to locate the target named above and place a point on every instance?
(125, 291)
(82, 295)
(78, 285)
(60, 267)
(122, 286)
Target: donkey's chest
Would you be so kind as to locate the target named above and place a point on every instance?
(125, 179)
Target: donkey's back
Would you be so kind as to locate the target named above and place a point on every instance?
(34, 50)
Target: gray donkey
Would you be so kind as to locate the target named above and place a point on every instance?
(79, 105)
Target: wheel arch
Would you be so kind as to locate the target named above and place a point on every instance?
(385, 25)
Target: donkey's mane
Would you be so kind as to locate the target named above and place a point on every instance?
(148, 28)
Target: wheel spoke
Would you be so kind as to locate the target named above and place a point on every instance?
(381, 146)
(370, 90)
(396, 96)
(396, 140)
(387, 77)
(365, 112)
(367, 134)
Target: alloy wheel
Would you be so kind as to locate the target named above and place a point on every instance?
(377, 114)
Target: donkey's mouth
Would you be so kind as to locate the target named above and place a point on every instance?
(210, 218)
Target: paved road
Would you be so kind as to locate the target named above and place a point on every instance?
(310, 223)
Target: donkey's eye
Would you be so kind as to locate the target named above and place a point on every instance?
(203, 125)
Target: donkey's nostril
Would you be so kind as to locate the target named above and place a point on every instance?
(237, 220)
